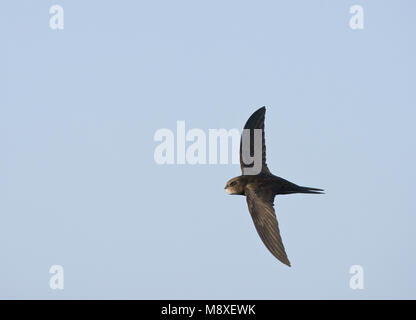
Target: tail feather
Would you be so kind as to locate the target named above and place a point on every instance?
(309, 190)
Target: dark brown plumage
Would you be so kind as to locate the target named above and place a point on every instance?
(260, 191)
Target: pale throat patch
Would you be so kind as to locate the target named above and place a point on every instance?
(229, 191)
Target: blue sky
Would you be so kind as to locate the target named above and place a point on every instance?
(79, 186)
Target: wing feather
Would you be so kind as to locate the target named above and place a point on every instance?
(262, 212)
(256, 121)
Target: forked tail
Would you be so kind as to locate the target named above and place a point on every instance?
(309, 190)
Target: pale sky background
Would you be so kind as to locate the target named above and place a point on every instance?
(79, 186)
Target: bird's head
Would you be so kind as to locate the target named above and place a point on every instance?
(235, 186)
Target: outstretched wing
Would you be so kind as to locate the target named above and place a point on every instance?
(260, 205)
(256, 121)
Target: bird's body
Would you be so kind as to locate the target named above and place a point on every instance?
(260, 191)
(269, 182)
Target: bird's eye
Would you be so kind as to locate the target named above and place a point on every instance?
(233, 183)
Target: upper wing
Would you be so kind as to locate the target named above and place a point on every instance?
(260, 205)
(256, 121)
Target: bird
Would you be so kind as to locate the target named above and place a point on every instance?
(260, 190)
